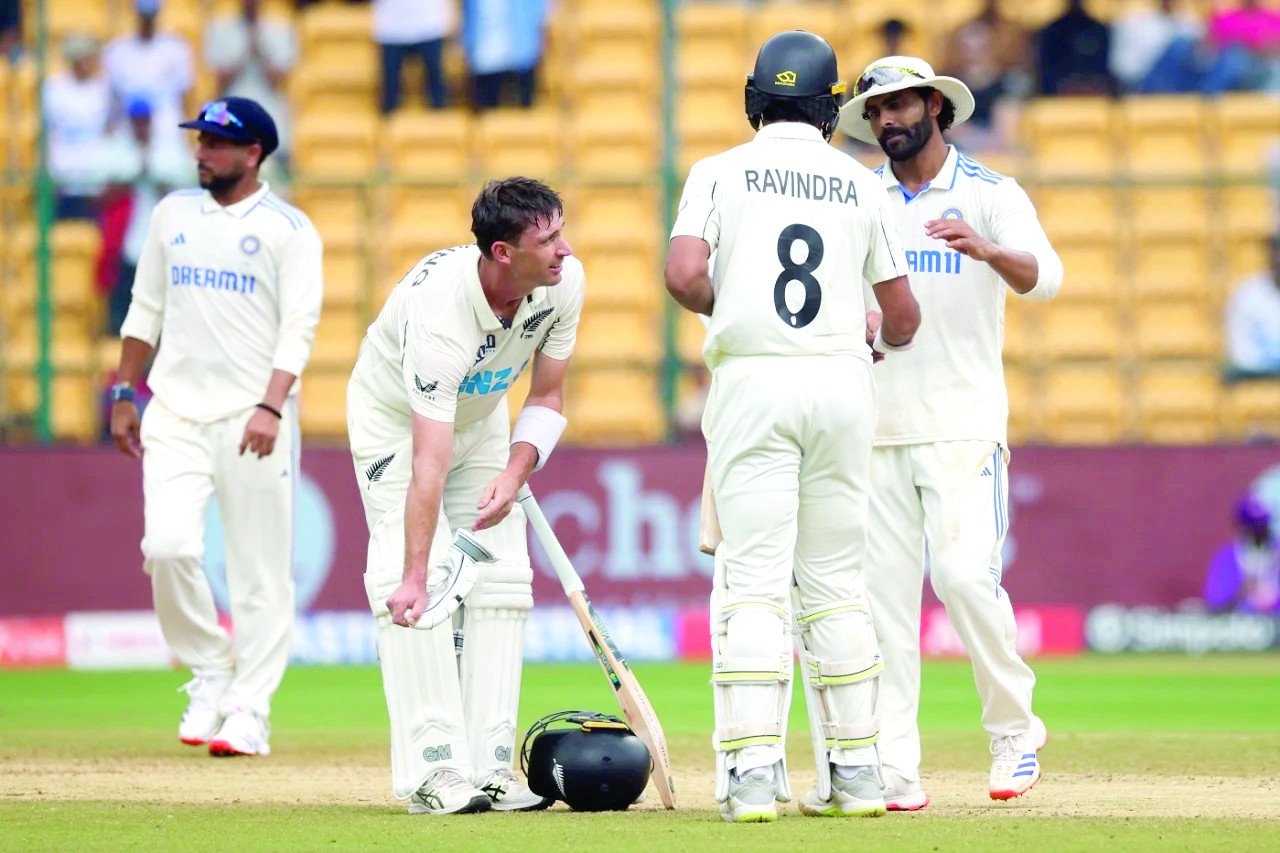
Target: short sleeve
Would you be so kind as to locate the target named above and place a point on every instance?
(885, 259)
(698, 216)
(435, 361)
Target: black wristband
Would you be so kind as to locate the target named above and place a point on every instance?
(272, 410)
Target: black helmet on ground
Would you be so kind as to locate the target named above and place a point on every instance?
(592, 761)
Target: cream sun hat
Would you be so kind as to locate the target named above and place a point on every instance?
(893, 74)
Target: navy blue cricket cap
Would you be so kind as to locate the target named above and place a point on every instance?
(238, 119)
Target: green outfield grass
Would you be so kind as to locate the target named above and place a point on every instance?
(1161, 719)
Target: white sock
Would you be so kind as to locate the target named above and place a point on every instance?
(759, 772)
(846, 773)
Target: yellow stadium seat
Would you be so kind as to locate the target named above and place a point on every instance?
(711, 49)
(775, 17)
(74, 248)
(76, 410)
(1164, 135)
(336, 34)
(1068, 212)
(690, 336)
(608, 338)
(618, 406)
(345, 264)
(1084, 405)
(1175, 330)
(608, 228)
(1026, 422)
(433, 144)
(433, 205)
(1178, 406)
(331, 89)
(1252, 409)
(322, 404)
(520, 142)
(1170, 211)
(338, 338)
(518, 393)
(1244, 257)
(1246, 132)
(336, 145)
(1071, 136)
(615, 145)
(64, 17)
(708, 124)
(1090, 269)
(1071, 331)
(1247, 212)
(1170, 267)
(333, 207)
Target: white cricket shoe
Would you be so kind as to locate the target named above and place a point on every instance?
(446, 792)
(902, 794)
(241, 733)
(751, 798)
(509, 794)
(858, 796)
(1015, 767)
(201, 719)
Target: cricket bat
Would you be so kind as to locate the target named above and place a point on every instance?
(709, 535)
(631, 698)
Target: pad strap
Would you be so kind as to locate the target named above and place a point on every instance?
(750, 733)
(744, 670)
(850, 735)
(804, 617)
(829, 673)
(541, 427)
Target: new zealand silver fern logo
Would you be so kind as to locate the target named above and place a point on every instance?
(531, 325)
(375, 471)
(557, 773)
(424, 388)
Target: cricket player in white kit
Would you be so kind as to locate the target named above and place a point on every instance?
(940, 467)
(796, 227)
(433, 452)
(230, 278)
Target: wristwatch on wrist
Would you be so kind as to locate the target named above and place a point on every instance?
(122, 391)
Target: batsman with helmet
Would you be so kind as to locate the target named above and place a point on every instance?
(797, 227)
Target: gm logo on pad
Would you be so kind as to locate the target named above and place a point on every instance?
(785, 78)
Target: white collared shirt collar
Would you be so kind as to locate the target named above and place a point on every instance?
(945, 179)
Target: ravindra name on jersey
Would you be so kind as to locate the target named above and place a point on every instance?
(950, 384)
(437, 348)
(789, 218)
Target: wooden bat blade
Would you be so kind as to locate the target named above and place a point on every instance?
(631, 697)
(709, 535)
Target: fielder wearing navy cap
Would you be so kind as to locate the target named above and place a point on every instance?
(240, 120)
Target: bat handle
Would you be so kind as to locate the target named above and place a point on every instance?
(542, 529)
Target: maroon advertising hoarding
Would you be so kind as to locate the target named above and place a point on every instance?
(1130, 526)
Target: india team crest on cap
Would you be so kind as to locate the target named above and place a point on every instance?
(250, 245)
(952, 213)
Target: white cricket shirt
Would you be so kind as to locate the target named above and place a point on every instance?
(437, 348)
(797, 227)
(230, 293)
(950, 384)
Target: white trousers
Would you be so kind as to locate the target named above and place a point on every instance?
(184, 463)
(954, 496)
(789, 448)
(446, 711)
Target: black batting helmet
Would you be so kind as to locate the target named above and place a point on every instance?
(592, 761)
(799, 67)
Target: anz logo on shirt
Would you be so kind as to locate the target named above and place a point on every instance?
(183, 275)
(484, 382)
(945, 262)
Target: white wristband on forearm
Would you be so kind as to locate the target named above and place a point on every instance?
(541, 427)
(883, 348)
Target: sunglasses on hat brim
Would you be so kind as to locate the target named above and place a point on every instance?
(885, 75)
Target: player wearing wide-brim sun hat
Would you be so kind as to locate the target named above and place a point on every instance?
(893, 74)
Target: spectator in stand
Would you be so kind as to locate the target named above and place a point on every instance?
(141, 168)
(1009, 43)
(1253, 320)
(151, 66)
(1245, 574)
(893, 37)
(10, 30)
(503, 41)
(77, 109)
(252, 57)
(1072, 54)
(1247, 39)
(1154, 49)
(404, 28)
(997, 78)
